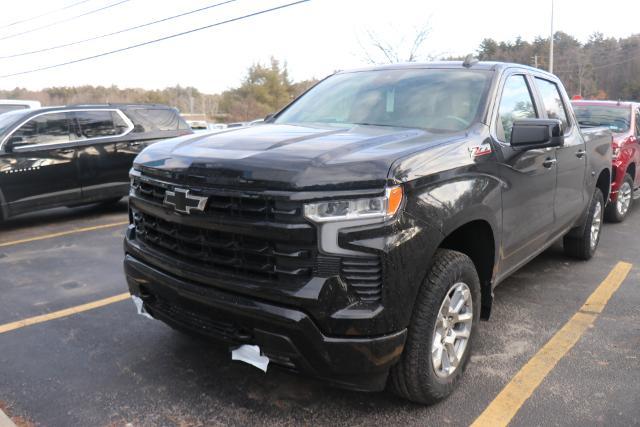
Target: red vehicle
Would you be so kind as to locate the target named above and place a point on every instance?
(623, 118)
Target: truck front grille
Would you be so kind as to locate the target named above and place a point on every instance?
(234, 237)
(225, 252)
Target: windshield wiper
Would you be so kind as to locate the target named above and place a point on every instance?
(378, 124)
(589, 124)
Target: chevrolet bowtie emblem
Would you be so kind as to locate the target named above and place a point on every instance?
(183, 202)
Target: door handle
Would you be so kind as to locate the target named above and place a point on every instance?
(549, 163)
(135, 144)
(580, 154)
(67, 151)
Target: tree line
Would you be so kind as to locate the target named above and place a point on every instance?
(601, 68)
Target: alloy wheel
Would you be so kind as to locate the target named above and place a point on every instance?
(596, 224)
(624, 199)
(452, 330)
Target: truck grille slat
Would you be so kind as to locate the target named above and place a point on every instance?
(230, 253)
(364, 276)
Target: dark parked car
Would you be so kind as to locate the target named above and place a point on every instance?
(358, 234)
(74, 155)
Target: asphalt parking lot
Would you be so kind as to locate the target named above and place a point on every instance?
(107, 366)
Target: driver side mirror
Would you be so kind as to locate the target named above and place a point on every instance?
(268, 118)
(12, 142)
(529, 134)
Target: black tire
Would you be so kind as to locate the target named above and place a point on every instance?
(414, 376)
(577, 243)
(612, 211)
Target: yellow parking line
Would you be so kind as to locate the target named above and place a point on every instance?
(506, 405)
(64, 233)
(62, 313)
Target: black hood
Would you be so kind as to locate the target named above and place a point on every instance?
(289, 157)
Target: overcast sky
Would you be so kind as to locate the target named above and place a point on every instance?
(315, 38)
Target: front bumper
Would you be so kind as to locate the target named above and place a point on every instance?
(289, 337)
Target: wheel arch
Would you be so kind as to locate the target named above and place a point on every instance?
(476, 239)
(604, 183)
(631, 170)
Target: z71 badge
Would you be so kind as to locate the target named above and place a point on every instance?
(480, 150)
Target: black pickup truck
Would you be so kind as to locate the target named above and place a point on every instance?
(75, 155)
(358, 234)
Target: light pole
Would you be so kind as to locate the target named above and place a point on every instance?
(551, 42)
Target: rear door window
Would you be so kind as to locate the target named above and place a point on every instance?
(516, 104)
(45, 129)
(156, 119)
(552, 102)
(98, 124)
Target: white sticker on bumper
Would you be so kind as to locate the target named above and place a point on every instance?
(140, 307)
(250, 354)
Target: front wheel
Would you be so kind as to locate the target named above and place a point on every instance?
(441, 332)
(617, 212)
(582, 243)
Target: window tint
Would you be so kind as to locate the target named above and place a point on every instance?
(156, 119)
(516, 104)
(46, 129)
(98, 124)
(552, 101)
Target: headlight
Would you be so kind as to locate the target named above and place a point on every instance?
(343, 210)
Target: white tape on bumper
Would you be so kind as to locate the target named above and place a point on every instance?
(250, 354)
(140, 307)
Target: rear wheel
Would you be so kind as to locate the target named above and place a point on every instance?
(582, 243)
(617, 212)
(441, 332)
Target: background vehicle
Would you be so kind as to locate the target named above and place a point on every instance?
(623, 118)
(237, 125)
(198, 125)
(217, 126)
(73, 155)
(358, 234)
(17, 104)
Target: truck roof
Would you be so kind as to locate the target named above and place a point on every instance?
(609, 103)
(481, 65)
(102, 106)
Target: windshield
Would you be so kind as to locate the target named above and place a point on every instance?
(618, 119)
(431, 99)
(9, 119)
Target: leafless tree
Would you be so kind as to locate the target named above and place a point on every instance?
(376, 49)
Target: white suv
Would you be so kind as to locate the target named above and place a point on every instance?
(17, 104)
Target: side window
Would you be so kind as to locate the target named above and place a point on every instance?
(156, 119)
(516, 104)
(119, 123)
(552, 101)
(45, 129)
(98, 124)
